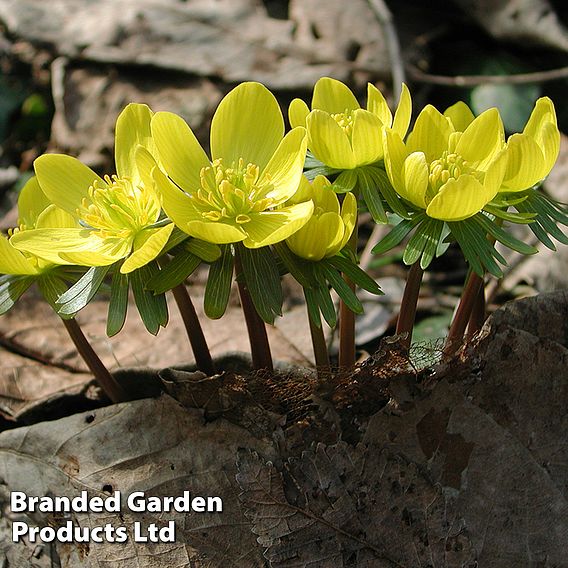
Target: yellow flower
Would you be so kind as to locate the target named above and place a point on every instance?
(533, 152)
(237, 196)
(35, 212)
(341, 134)
(452, 164)
(117, 214)
(330, 227)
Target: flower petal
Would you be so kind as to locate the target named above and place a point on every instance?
(333, 96)
(31, 202)
(415, 179)
(72, 246)
(148, 244)
(460, 115)
(248, 124)
(328, 141)
(495, 174)
(315, 238)
(284, 170)
(367, 137)
(542, 114)
(215, 232)
(349, 217)
(526, 165)
(458, 199)
(395, 155)
(12, 261)
(482, 139)
(270, 227)
(323, 196)
(297, 113)
(377, 104)
(65, 180)
(179, 151)
(403, 112)
(177, 204)
(132, 129)
(430, 134)
(54, 217)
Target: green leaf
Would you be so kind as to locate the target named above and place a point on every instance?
(262, 279)
(345, 181)
(52, 287)
(511, 216)
(174, 272)
(341, 287)
(388, 192)
(312, 306)
(83, 291)
(177, 237)
(433, 237)
(209, 252)
(118, 304)
(502, 236)
(312, 173)
(297, 267)
(372, 197)
(355, 273)
(153, 309)
(417, 243)
(326, 305)
(11, 289)
(218, 287)
(396, 235)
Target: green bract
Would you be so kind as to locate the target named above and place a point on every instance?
(115, 217)
(238, 195)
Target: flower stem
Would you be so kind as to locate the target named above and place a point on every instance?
(347, 317)
(407, 314)
(463, 313)
(194, 330)
(106, 381)
(321, 354)
(477, 317)
(259, 346)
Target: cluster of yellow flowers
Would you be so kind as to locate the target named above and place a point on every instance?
(252, 189)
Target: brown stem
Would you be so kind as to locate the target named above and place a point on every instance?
(319, 345)
(463, 313)
(407, 314)
(105, 380)
(347, 317)
(477, 317)
(259, 346)
(194, 330)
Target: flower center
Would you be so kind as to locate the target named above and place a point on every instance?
(119, 208)
(231, 193)
(449, 166)
(345, 120)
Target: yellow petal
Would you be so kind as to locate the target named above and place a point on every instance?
(297, 113)
(543, 113)
(430, 134)
(54, 217)
(526, 165)
(270, 227)
(403, 112)
(458, 199)
(395, 155)
(72, 246)
(323, 196)
(367, 137)
(248, 124)
(415, 179)
(377, 104)
(460, 115)
(177, 204)
(31, 202)
(12, 261)
(284, 170)
(132, 129)
(215, 232)
(482, 139)
(328, 141)
(316, 237)
(349, 218)
(65, 180)
(495, 174)
(333, 96)
(180, 153)
(148, 244)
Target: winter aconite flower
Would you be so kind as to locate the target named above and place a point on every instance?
(341, 134)
(330, 226)
(238, 195)
(451, 165)
(118, 214)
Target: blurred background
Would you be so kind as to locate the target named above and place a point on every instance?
(68, 67)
